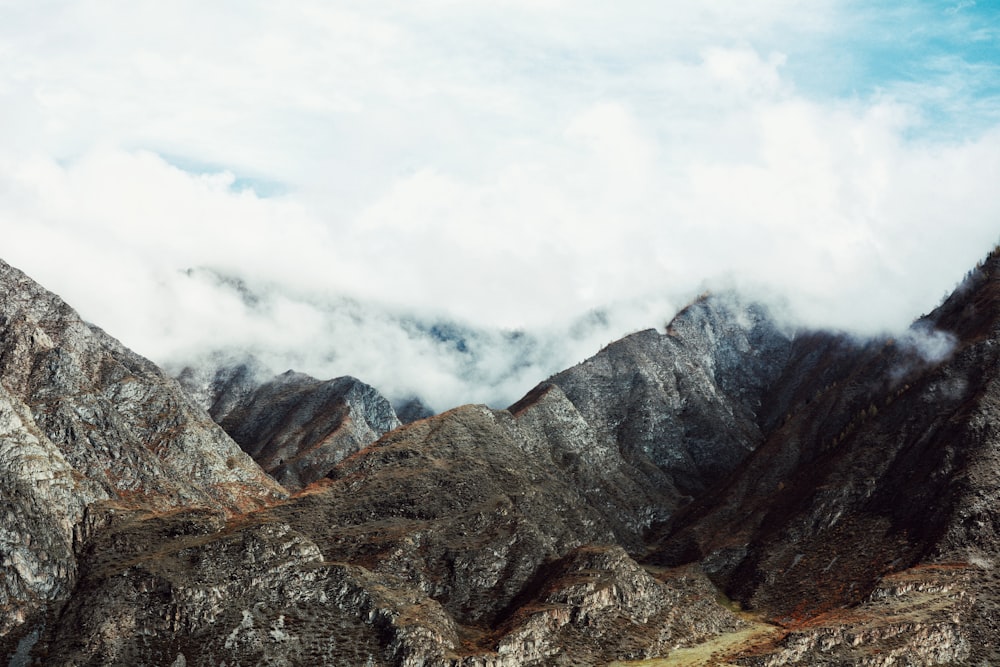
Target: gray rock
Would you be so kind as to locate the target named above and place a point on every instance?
(294, 426)
(882, 476)
(845, 492)
(298, 428)
(86, 423)
(412, 409)
(688, 401)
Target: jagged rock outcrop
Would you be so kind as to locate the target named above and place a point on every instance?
(629, 496)
(596, 605)
(912, 618)
(188, 588)
(119, 421)
(298, 428)
(86, 423)
(44, 502)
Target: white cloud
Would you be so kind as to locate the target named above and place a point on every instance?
(502, 165)
(959, 6)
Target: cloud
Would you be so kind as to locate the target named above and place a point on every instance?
(497, 167)
(959, 6)
(931, 345)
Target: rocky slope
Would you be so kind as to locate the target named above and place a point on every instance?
(688, 401)
(468, 538)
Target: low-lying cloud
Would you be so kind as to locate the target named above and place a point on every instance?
(403, 352)
(932, 345)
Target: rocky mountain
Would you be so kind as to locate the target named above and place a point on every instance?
(88, 431)
(690, 401)
(728, 491)
(877, 495)
(297, 428)
(412, 409)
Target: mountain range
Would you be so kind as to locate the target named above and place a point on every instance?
(730, 490)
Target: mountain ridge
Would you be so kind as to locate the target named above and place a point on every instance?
(841, 491)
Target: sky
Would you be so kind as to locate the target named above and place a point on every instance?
(457, 199)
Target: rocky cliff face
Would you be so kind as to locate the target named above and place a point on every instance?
(464, 539)
(298, 428)
(119, 421)
(843, 492)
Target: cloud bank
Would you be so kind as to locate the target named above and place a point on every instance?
(509, 169)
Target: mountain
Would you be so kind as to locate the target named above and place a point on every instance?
(297, 428)
(729, 490)
(90, 431)
(689, 401)
(412, 409)
(870, 513)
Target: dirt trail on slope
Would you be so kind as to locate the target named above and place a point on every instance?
(717, 651)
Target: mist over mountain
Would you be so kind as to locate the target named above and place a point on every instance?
(405, 353)
(500, 170)
(410, 354)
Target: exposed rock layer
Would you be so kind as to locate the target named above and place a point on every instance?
(688, 401)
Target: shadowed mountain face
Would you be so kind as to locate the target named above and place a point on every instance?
(887, 459)
(295, 427)
(691, 401)
(411, 410)
(844, 492)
